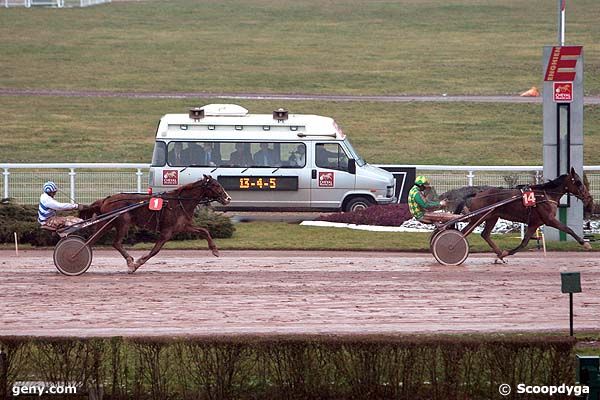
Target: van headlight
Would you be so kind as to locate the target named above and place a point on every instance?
(389, 192)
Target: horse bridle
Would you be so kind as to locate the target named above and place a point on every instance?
(578, 195)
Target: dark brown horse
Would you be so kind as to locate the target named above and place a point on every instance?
(547, 196)
(175, 216)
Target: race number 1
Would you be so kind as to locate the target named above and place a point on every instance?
(529, 198)
(155, 204)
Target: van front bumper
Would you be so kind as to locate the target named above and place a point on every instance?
(387, 200)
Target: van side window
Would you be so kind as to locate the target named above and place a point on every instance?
(159, 156)
(331, 156)
(179, 154)
(297, 154)
(201, 154)
(231, 154)
(263, 154)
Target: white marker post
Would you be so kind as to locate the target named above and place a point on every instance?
(561, 21)
(16, 245)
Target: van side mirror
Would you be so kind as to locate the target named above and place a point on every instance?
(352, 166)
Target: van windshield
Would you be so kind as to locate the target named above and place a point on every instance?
(359, 160)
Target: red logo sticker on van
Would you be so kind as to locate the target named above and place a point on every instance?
(170, 177)
(326, 179)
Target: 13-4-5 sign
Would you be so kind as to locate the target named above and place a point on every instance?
(260, 183)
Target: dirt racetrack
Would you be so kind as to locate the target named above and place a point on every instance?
(266, 292)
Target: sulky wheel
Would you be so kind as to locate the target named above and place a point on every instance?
(68, 258)
(450, 247)
(433, 236)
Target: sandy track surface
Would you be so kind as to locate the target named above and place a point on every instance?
(256, 292)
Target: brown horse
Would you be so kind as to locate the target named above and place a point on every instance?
(175, 216)
(547, 196)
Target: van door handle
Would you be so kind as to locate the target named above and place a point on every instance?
(314, 174)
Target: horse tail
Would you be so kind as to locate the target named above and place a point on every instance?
(92, 210)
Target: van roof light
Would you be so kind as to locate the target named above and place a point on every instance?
(281, 114)
(196, 113)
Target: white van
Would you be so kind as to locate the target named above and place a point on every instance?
(279, 161)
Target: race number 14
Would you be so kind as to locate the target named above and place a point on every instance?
(529, 198)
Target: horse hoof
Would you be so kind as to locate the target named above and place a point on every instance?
(132, 267)
(215, 252)
(587, 246)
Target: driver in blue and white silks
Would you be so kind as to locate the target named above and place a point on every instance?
(48, 207)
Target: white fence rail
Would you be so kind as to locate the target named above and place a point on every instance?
(86, 182)
(53, 3)
(83, 182)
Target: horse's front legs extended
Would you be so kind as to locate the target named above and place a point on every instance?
(554, 223)
(204, 234)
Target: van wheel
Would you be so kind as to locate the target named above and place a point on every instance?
(358, 203)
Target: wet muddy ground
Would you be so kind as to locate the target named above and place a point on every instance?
(280, 292)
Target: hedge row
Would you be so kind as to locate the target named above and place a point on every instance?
(382, 215)
(22, 219)
(303, 367)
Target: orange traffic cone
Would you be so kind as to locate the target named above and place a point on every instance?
(533, 92)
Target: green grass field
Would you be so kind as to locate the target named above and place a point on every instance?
(58, 129)
(283, 236)
(300, 46)
(306, 46)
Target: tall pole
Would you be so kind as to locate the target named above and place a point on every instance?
(561, 22)
(571, 314)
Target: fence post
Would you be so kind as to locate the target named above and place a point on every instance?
(470, 177)
(6, 174)
(139, 174)
(72, 184)
(539, 178)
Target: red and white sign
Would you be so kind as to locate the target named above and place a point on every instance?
(326, 179)
(170, 177)
(529, 198)
(562, 62)
(562, 92)
(156, 204)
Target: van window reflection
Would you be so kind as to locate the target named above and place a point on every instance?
(233, 154)
(331, 156)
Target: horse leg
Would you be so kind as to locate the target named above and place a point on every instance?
(554, 223)
(205, 234)
(118, 243)
(164, 238)
(486, 235)
(528, 235)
